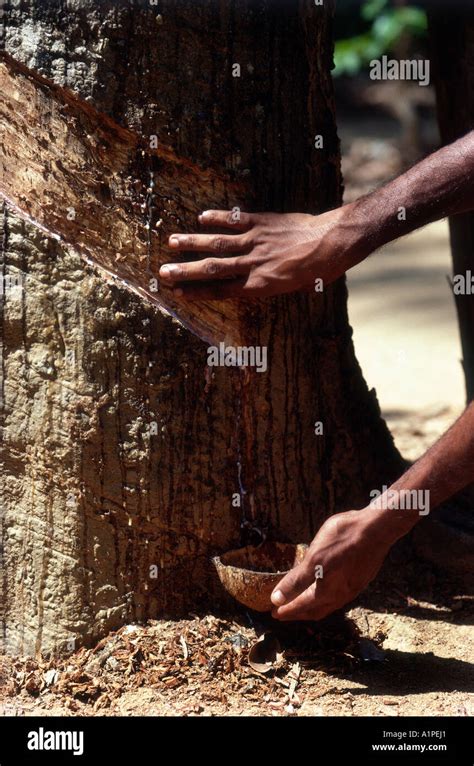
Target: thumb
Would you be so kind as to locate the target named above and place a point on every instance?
(294, 583)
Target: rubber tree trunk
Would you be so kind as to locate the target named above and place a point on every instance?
(452, 50)
(126, 463)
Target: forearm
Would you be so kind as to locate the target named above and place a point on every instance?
(440, 185)
(446, 468)
(274, 253)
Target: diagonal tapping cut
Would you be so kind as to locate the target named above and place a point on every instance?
(83, 178)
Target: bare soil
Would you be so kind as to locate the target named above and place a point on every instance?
(199, 666)
(404, 648)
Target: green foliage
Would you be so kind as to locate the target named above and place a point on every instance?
(388, 25)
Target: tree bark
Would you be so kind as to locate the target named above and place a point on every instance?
(73, 171)
(127, 464)
(452, 48)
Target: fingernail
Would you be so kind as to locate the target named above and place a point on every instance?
(204, 214)
(174, 241)
(178, 292)
(278, 598)
(170, 270)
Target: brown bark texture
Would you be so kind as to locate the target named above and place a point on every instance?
(127, 461)
(452, 52)
(86, 180)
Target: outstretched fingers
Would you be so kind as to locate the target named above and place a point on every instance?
(210, 243)
(206, 269)
(229, 219)
(219, 267)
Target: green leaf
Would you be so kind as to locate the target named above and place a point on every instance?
(372, 8)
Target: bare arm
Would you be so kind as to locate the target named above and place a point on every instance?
(350, 547)
(440, 185)
(271, 253)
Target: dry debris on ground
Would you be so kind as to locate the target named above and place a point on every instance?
(403, 650)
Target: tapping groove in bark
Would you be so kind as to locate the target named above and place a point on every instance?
(84, 178)
(122, 452)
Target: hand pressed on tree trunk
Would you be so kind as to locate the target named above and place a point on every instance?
(266, 254)
(273, 253)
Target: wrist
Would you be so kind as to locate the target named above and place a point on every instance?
(387, 525)
(359, 230)
(339, 242)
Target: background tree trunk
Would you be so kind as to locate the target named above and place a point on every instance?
(122, 453)
(452, 47)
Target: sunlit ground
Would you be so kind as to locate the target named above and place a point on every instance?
(405, 327)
